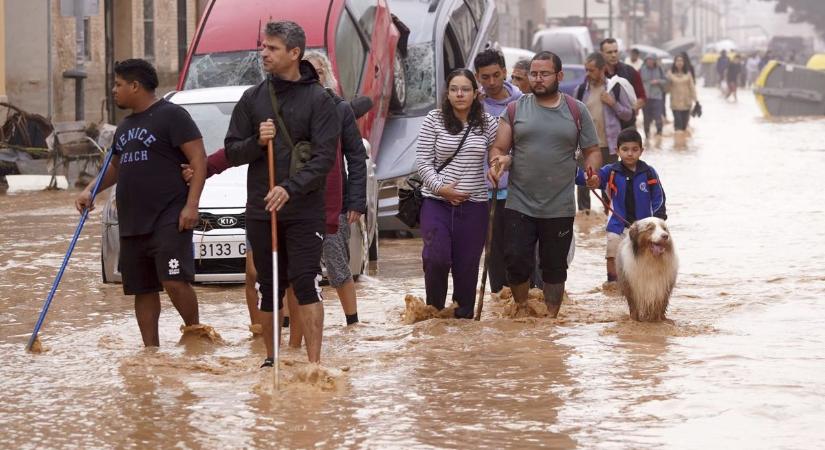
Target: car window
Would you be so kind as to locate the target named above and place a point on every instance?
(419, 71)
(350, 55)
(239, 68)
(463, 27)
(364, 13)
(224, 69)
(212, 120)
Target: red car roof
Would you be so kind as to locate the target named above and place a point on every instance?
(234, 24)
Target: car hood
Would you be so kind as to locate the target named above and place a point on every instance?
(225, 190)
(397, 155)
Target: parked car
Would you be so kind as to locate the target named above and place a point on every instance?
(572, 44)
(220, 240)
(574, 75)
(444, 35)
(361, 38)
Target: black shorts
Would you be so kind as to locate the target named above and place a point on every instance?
(554, 237)
(147, 260)
(300, 244)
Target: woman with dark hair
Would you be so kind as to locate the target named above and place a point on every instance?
(452, 147)
(682, 94)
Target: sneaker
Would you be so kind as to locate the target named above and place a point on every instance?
(268, 362)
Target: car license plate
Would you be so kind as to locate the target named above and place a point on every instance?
(213, 250)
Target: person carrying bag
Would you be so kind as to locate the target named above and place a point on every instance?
(452, 149)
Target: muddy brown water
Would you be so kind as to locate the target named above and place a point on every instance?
(742, 368)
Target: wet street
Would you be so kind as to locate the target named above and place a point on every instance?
(741, 368)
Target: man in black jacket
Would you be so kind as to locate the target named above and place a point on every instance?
(308, 114)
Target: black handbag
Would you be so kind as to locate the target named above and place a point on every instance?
(410, 199)
(697, 110)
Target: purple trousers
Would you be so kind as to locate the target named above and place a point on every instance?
(453, 241)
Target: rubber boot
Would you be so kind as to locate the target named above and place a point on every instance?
(520, 293)
(553, 295)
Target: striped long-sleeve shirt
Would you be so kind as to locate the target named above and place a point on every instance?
(436, 145)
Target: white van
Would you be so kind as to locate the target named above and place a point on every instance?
(572, 44)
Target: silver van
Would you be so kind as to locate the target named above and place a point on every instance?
(444, 35)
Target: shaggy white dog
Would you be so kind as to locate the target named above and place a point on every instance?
(647, 266)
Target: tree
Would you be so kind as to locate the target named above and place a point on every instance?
(811, 11)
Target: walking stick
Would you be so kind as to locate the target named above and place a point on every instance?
(487, 246)
(276, 332)
(77, 231)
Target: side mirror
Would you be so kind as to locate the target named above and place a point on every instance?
(360, 105)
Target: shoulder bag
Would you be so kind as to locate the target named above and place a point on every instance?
(410, 200)
(301, 151)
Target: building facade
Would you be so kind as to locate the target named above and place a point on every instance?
(38, 45)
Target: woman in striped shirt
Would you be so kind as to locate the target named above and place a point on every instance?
(454, 212)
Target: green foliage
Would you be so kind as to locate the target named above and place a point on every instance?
(810, 11)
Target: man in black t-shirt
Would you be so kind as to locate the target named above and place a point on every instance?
(309, 115)
(156, 209)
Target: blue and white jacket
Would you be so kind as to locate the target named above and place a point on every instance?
(648, 199)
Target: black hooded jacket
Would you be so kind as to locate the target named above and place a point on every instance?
(352, 146)
(309, 114)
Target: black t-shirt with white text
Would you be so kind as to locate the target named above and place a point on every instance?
(150, 189)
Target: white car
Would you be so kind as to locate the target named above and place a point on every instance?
(219, 243)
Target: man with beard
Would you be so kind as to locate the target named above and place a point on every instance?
(540, 204)
(290, 93)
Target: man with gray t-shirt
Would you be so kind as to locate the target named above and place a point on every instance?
(541, 204)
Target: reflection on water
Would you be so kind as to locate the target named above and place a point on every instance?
(741, 368)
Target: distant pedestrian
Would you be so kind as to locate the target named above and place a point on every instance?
(732, 75)
(546, 129)
(610, 50)
(655, 82)
(752, 68)
(607, 109)
(721, 68)
(519, 75)
(452, 145)
(634, 60)
(682, 94)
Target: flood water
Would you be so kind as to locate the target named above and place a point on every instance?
(742, 367)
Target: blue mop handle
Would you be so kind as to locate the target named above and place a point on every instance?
(77, 231)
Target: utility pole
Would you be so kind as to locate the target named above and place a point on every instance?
(80, 10)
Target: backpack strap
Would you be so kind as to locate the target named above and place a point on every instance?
(573, 106)
(580, 91)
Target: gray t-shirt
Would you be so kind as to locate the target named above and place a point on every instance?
(543, 172)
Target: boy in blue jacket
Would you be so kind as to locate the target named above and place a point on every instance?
(630, 175)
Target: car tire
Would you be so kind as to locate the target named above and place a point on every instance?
(398, 100)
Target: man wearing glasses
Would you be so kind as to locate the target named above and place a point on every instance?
(540, 204)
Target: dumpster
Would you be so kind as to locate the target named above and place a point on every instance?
(816, 62)
(784, 89)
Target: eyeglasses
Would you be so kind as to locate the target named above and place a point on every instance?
(537, 75)
(463, 90)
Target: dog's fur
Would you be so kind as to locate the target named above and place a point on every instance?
(647, 266)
